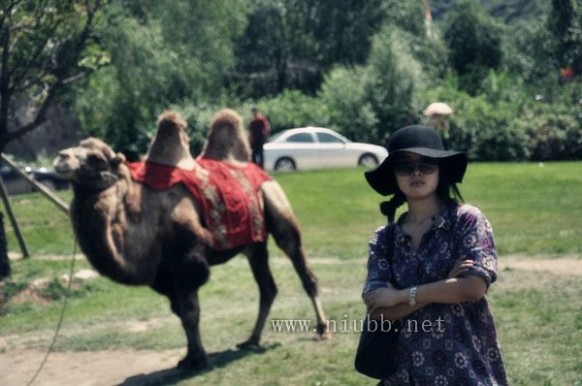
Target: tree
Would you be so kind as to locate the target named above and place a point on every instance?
(161, 56)
(263, 51)
(560, 22)
(545, 51)
(474, 42)
(393, 78)
(342, 29)
(424, 37)
(45, 46)
(293, 43)
(577, 38)
(564, 24)
(343, 93)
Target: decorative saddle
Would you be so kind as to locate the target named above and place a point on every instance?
(228, 195)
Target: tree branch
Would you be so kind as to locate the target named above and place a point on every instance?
(38, 119)
(25, 65)
(30, 69)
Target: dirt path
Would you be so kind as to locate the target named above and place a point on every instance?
(144, 367)
(559, 266)
(92, 368)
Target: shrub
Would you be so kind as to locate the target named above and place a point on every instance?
(506, 124)
(555, 137)
(343, 95)
(501, 140)
(294, 109)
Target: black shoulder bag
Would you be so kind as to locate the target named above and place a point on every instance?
(376, 354)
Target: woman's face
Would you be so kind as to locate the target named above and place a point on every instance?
(416, 176)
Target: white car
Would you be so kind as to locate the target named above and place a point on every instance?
(316, 147)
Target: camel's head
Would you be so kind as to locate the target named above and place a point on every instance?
(92, 164)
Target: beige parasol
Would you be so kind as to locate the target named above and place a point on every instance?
(437, 108)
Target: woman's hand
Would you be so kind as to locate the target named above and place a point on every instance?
(384, 298)
(460, 267)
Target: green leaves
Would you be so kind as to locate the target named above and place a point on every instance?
(42, 46)
(474, 42)
(392, 79)
(157, 56)
(350, 113)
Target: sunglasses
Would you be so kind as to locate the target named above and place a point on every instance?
(425, 166)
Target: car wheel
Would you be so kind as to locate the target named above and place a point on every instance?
(368, 160)
(285, 165)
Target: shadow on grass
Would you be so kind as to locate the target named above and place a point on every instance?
(174, 375)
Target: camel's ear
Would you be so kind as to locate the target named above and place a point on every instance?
(118, 159)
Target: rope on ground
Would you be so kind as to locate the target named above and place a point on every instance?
(61, 318)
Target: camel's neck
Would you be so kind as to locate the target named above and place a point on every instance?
(90, 189)
(99, 220)
(93, 183)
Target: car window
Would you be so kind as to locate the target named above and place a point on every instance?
(328, 138)
(274, 136)
(300, 137)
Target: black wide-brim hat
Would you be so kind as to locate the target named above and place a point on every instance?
(422, 140)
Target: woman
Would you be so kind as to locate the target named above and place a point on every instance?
(443, 261)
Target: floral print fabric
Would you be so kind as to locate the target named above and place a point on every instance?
(442, 344)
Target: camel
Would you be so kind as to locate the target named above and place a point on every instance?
(135, 235)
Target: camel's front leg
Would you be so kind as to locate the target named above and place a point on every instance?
(195, 358)
(189, 276)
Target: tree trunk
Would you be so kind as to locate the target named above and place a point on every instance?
(4, 262)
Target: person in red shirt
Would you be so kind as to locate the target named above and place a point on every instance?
(259, 129)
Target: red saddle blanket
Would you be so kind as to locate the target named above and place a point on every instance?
(228, 195)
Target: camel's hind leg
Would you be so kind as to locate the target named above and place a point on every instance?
(258, 257)
(285, 230)
(291, 245)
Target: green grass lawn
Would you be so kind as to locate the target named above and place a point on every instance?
(535, 211)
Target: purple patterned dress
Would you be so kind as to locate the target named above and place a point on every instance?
(457, 344)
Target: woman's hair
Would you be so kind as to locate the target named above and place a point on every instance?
(446, 191)
(388, 208)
